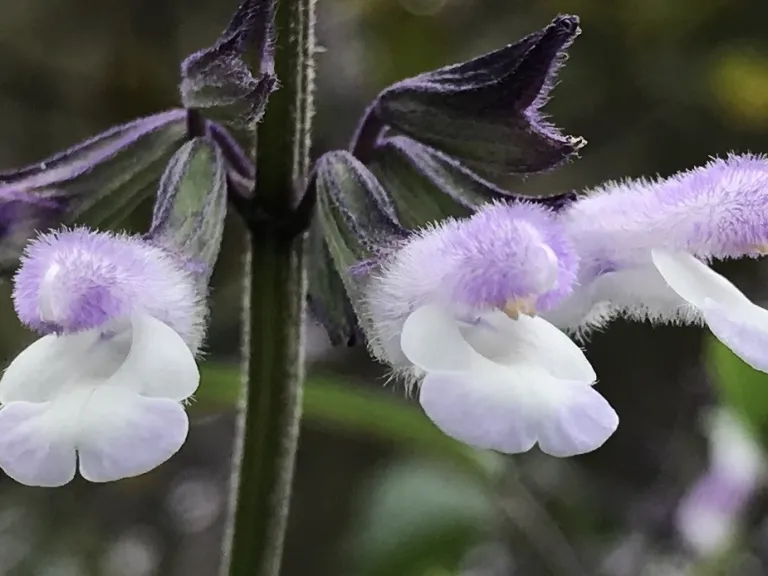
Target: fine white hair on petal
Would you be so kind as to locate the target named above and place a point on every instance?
(639, 294)
(718, 210)
(505, 251)
(76, 280)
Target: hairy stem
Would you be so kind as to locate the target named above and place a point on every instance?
(268, 427)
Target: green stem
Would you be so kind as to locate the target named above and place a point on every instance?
(267, 433)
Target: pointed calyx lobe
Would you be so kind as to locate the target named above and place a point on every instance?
(232, 79)
(426, 184)
(97, 182)
(486, 111)
(356, 223)
(354, 209)
(191, 207)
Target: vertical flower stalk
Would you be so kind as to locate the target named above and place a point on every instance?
(267, 432)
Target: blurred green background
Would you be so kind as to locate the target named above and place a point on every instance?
(655, 86)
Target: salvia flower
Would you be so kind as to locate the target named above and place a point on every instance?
(104, 386)
(454, 307)
(709, 515)
(644, 245)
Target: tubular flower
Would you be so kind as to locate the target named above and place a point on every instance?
(454, 308)
(644, 247)
(122, 321)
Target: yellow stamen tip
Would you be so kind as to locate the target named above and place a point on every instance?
(513, 308)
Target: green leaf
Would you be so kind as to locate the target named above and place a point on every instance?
(192, 204)
(739, 385)
(419, 516)
(353, 409)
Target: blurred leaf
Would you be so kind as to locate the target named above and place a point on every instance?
(427, 185)
(192, 204)
(358, 411)
(486, 111)
(739, 385)
(417, 517)
(97, 182)
(739, 81)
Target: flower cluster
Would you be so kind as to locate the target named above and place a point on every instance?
(473, 308)
(454, 307)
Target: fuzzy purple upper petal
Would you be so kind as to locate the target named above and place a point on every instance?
(502, 253)
(75, 280)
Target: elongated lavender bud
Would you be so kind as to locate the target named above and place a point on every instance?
(719, 210)
(643, 246)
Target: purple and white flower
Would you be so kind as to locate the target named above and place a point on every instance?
(709, 515)
(454, 307)
(644, 246)
(104, 388)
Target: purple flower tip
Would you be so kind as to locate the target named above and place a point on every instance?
(505, 251)
(75, 280)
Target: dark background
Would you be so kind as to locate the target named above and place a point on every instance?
(655, 86)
